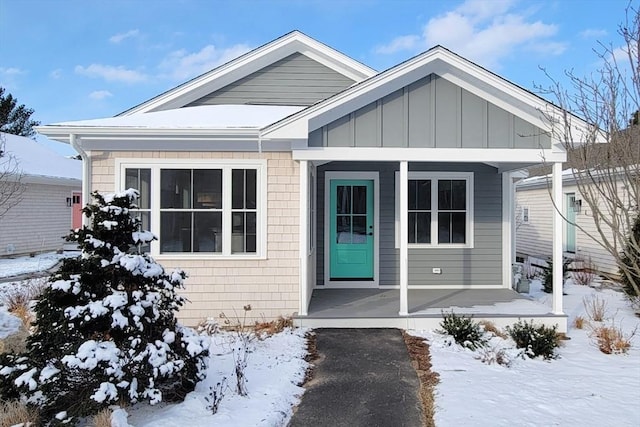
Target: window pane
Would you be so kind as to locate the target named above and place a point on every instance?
(458, 227)
(423, 227)
(145, 225)
(207, 185)
(244, 232)
(444, 194)
(207, 234)
(359, 229)
(343, 202)
(359, 199)
(343, 229)
(140, 179)
(423, 189)
(250, 192)
(459, 194)
(412, 227)
(175, 232)
(413, 195)
(175, 187)
(444, 227)
(250, 242)
(237, 191)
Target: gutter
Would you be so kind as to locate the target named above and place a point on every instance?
(86, 173)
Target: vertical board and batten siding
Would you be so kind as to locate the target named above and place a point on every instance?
(430, 113)
(217, 286)
(477, 266)
(39, 221)
(294, 80)
(534, 239)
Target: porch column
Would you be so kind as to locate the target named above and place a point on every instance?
(404, 238)
(507, 229)
(304, 238)
(556, 181)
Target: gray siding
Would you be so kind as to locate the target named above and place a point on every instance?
(481, 265)
(431, 112)
(294, 80)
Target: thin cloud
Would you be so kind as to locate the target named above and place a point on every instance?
(181, 64)
(11, 71)
(99, 95)
(56, 74)
(111, 73)
(118, 38)
(593, 33)
(485, 32)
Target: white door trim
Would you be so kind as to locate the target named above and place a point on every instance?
(374, 176)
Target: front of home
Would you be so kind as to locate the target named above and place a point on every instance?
(298, 180)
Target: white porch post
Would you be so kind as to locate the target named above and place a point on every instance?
(507, 229)
(304, 237)
(557, 238)
(404, 238)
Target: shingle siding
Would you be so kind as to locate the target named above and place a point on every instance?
(270, 286)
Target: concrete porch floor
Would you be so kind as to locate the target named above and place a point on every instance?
(379, 308)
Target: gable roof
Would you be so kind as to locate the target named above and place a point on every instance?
(39, 162)
(437, 60)
(293, 42)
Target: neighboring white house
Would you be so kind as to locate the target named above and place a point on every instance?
(50, 194)
(294, 178)
(535, 211)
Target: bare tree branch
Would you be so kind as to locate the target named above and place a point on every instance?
(607, 173)
(11, 186)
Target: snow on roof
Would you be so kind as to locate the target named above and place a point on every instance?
(206, 116)
(34, 159)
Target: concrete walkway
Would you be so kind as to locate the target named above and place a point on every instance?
(363, 377)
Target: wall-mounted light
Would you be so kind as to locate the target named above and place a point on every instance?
(68, 202)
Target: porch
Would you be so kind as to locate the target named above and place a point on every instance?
(378, 308)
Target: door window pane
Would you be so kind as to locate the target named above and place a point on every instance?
(343, 199)
(359, 199)
(343, 229)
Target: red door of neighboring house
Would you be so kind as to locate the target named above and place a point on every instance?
(76, 210)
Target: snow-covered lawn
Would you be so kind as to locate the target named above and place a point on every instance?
(275, 366)
(10, 267)
(583, 387)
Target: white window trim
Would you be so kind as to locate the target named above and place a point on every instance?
(225, 164)
(434, 176)
(526, 219)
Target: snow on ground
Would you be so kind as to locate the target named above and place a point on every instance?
(583, 387)
(9, 324)
(275, 366)
(10, 267)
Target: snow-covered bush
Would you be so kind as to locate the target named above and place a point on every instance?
(535, 340)
(464, 330)
(105, 328)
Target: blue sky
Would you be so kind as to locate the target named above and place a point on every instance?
(74, 60)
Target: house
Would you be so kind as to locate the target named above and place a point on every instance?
(534, 212)
(299, 180)
(48, 195)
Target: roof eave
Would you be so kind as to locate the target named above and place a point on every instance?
(62, 133)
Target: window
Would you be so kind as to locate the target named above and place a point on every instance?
(201, 207)
(439, 209)
(525, 215)
(140, 179)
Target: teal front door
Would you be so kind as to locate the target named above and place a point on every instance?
(351, 233)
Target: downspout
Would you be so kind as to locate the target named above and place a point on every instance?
(86, 173)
